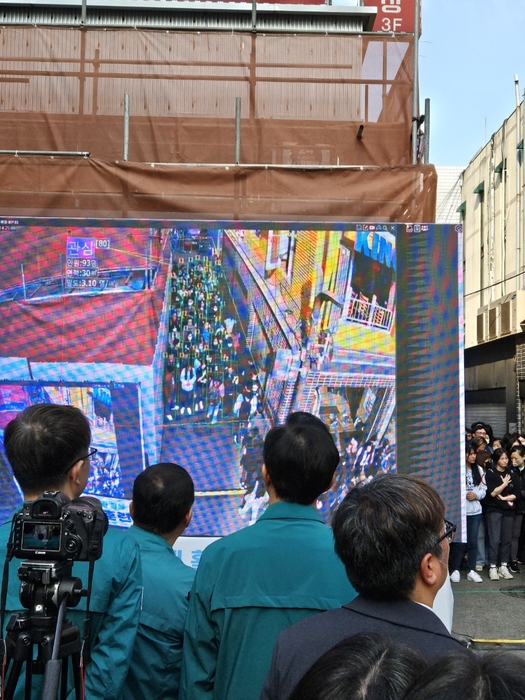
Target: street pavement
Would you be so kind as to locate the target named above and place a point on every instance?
(490, 611)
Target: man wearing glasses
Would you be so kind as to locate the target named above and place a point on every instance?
(394, 543)
(48, 447)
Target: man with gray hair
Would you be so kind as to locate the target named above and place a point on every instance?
(393, 540)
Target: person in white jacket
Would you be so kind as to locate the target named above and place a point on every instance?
(475, 491)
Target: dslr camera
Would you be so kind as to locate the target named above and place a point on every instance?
(55, 528)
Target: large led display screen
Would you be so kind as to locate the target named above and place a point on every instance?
(186, 341)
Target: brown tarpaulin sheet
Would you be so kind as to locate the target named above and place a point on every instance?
(44, 186)
(303, 97)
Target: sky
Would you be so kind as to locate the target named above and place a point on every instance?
(469, 52)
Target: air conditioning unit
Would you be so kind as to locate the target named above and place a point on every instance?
(501, 317)
(482, 324)
(517, 312)
(493, 320)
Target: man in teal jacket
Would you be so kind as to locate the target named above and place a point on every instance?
(161, 509)
(256, 582)
(48, 448)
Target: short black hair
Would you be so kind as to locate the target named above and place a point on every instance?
(383, 529)
(305, 418)
(520, 449)
(362, 667)
(497, 675)
(301, 458)
(43, 442)
(162, 495)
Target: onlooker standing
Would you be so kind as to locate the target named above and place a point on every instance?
(161, 508)
(475, 492)
(517, 458)
(484, 461)
(502, 487)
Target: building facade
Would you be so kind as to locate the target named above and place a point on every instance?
(494, 279)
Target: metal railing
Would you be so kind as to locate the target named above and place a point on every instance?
(370, 314)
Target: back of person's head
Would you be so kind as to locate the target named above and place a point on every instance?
(382, 531)
(43, 442)
(301, 458)
(508, 439)
(498, 675)
(162, 496)
(305, 418)
(363, 667)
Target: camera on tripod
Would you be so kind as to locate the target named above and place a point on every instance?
(54, 528)
(50, 534)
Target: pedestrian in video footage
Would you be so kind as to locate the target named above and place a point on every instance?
(252, 584)
(204, 333)
(48, 447)
(161, 509)
(200, 385)
(188, 377)
(255, 496)
(216, 393)
(105, 475)
(243, 409)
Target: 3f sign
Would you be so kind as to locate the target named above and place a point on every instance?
(390, 23)
(393, 15)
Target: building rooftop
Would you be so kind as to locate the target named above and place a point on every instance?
(192, 15)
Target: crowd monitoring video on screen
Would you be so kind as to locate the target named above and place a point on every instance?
(186, 343)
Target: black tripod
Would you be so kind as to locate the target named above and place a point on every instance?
(46, 589)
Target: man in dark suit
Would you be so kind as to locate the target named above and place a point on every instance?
(394, 543)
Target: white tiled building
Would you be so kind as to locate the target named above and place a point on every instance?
(494, 274)
(448, 196)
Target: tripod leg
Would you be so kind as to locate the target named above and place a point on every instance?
(75, 659)
(63, 680)
(51, 676)
(12, 681)
(29, 679)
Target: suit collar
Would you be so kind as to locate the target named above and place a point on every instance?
(400, 612)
